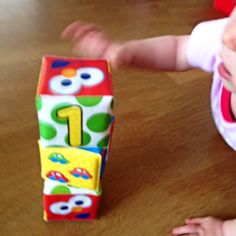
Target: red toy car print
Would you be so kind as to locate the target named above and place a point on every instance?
(57, 176)
(80, 172)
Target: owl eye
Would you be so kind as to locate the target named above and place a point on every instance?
(85, 76)
(66, 82)
(62, 85)
(81, 201)
(60, 208)
(90, 76)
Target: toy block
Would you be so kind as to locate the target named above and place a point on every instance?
(75, 103)
(104, 154)
(225, 6)
(62, 202)
(76, 167)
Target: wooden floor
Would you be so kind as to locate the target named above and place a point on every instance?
(167, 162)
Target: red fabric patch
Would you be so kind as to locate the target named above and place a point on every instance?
(225, 6)
(226, 106)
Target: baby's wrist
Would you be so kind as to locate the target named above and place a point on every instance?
(112, 48)
(117, 54)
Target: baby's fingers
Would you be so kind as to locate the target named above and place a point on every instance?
(186, 229)
(83, 31)
(199, 220)
(92, 45)
(70, 30)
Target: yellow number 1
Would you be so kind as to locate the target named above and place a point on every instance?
(74, 118)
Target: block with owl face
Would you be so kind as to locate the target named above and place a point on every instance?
(75, 103)
(62, 202)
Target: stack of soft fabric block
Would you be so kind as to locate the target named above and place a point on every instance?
(75, 111)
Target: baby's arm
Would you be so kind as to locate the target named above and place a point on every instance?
(159, 53)
(229, 228)
(206, 226)
(167, 53)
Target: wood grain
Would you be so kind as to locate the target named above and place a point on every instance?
(168, 161)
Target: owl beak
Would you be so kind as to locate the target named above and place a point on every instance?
(76, 209)
(69, 72)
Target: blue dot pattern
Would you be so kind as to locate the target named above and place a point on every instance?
(66, 82)
(83, 216)
(85, 76)
(58, 63)
(79, 202)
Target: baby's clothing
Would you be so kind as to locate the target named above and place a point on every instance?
(203, 52)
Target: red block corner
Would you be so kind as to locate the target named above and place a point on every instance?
(225, 6)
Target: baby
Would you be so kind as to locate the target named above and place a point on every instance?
(211, 47)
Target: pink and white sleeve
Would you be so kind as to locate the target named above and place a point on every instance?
(205, 44)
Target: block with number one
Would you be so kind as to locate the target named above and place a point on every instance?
(75, 102)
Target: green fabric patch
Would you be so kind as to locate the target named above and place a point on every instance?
(60, 189)
(39, 103)
(104, 142)
(47, 131)
(67, 139)
(89, 101)
(99, 122)
(86, 138)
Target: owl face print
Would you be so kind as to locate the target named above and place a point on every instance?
(74, 77)
(71, 207)
(70, 81)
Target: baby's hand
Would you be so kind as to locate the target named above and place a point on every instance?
(207, 226)
(90, 41)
